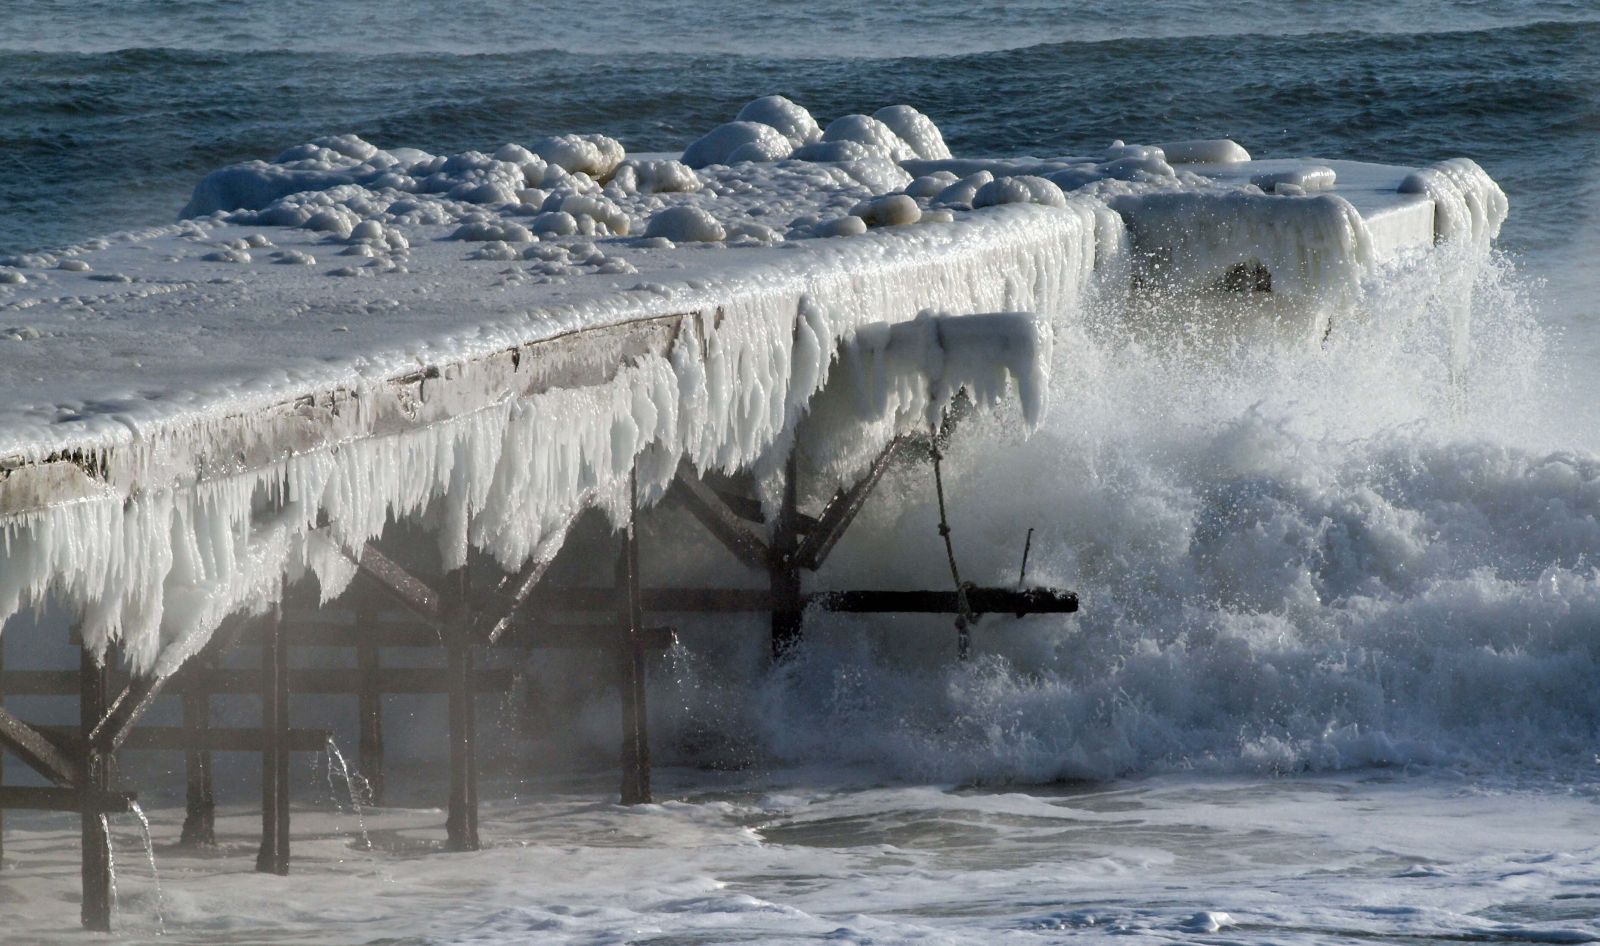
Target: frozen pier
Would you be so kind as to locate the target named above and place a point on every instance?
(359, 398)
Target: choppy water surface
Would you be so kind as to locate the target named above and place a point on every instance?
(1335, 675)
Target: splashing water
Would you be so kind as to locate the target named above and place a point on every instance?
(155, 875)
(356, 792)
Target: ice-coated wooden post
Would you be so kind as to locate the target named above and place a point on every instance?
(461, 824)
(784, 570)
(274, 855)
(370, 708)
(635, 721)
(94, 779)
(200, 806)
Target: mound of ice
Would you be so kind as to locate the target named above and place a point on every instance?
(685, 225)
(751, 141)
(655, 176)
(890, 210)
(917, 130)
(1021, 189)
(1204, 151)
(1300, 181)
(868, 131)
(791, 120)
(594, 155)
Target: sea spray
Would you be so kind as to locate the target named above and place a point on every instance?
(155, 875)
(358, 794)
(1377, 551)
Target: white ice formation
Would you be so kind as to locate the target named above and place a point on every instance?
(197, 414)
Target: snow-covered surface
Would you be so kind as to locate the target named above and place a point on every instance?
(494, 340)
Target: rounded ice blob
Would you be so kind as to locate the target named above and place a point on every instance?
(917, 130)
(1020, 189)
(869, 131)
(791, 120)
(685, 225)
(718, 145)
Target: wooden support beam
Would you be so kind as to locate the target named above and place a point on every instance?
(414, 594)
(369, 711)
(521, 591)
(30, 745)
(3, 640)
(273, 857)
(461, 823)
(842, 509)
(755, 600)
(200, 804)
(980, 600)
(80, 800)
(95, 911)
(635, 711)
(211, 739)
(728, 527)
(788, 612)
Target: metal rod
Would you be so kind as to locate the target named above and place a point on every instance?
(273, 858)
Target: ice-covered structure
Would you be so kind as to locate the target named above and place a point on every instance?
(489, 343)
(366, 333)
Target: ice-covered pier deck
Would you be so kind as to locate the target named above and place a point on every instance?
(196, 417)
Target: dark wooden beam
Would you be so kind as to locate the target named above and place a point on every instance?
(66, 799)
(30, 745)
(980, 600)
(461, 823)
(788, 611)
(200, 803)
(369, 711)
(842, 509)
(411, 592)
(736, 533)
(521, 590)
(273, 857)
(95, 908)
(635, 711)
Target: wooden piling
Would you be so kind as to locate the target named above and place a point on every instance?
(95, 777)
(273, 857)
(370, 710)
(200, 805)
(461, 823)
(784, 569)
(635, 721)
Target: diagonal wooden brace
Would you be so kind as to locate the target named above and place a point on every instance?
(731, 529)
(40, 754)
(414, 594)
(842, 509)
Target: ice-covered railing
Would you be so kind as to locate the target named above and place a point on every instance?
(349, 335)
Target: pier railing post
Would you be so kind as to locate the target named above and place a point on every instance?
(93, 683)
(461, 823)
(630, 653)
(200, 814)
(273, 857)
(370, 709)
(784, 569)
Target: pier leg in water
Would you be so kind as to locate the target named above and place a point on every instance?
(461, 825)
(199, 821)
(2, 757)
(96, 777)
(635, 722)
(787, 612)
(369, 753)
(274, 855)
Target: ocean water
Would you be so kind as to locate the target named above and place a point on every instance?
(1336, 675)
